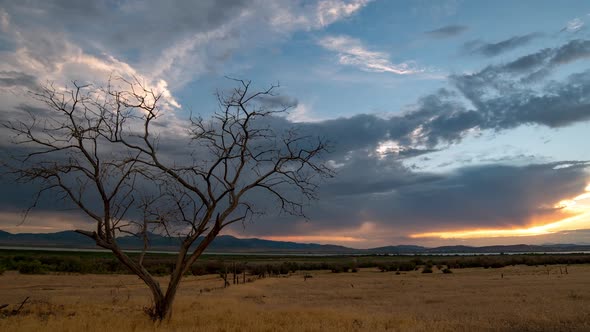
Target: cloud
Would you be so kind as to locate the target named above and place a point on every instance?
(40, 57)
(447, 31)
(295, 15)
(376, 197)
(351, 52)
(503, 97)
(17, 79)
(278, 101)
(302, 113)
(493, 49)
(375, 193)
(547, 58)
(574, 50)
(574, 25)
(380, 201)
(331, 11)
(60, 40)
(503, 105)
(42, 222)
(499, 98)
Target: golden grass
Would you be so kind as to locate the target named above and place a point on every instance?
(526, 299)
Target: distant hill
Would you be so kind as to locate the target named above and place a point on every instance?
(223, 243)
(230, 244)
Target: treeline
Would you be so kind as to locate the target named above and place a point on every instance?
(485, 261)
(39, 263)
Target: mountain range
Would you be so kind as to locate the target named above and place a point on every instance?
(230, 244)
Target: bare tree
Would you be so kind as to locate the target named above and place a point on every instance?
(99, 149)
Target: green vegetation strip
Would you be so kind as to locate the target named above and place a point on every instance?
(39, 262)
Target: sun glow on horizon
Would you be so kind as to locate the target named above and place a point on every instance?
(579, 205)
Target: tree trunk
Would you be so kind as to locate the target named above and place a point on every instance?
(163, 308)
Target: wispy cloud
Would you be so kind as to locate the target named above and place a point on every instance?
(289, 16)
(192, 39)
(331, 11)
(574, 25)
(447, 31)
(352, 52)
(493, 49)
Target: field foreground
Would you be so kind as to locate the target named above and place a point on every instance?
(516, 298)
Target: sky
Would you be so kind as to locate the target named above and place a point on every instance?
(452, 122)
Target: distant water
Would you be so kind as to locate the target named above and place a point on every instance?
(302, 253)
(494, 253)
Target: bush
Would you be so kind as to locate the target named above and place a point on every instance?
(198, 270)
(339, 268)
(159, 270)
(2, 270)
(32, 267)
(407, 266)
(417, 261)
(447, 271)
(427, 269)
(69, 265)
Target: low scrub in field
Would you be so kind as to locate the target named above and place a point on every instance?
(519, 298)
(35, 262)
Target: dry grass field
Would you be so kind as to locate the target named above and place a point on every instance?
(525, 299)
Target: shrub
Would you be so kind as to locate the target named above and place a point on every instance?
(69, 265)
(339, 268)
(407, 266)
(159, 270)
(2, 269)
(447, 270)
(427, 269)
(198, 270)
(32, 267)
(283, 268)
(417, 261)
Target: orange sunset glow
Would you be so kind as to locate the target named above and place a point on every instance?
(577, 207)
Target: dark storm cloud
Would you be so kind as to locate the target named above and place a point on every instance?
(447, 31)
(493, 49)
(483, 196)
(490, 195)
(365, 174)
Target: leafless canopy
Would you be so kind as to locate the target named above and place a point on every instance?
(105, 151)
